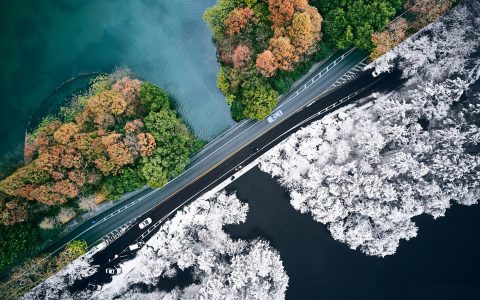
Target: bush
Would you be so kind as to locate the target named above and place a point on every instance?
(87, 203)
(66, 215)
(48, 223)
(16, 242)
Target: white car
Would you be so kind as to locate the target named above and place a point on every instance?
(134, 247)
(275, 115)
(145, 223)
(113, 271)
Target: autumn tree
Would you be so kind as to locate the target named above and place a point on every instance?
(283, 52)
(427, 11)
(14, 211)
(386, 40)
(242, 56)
(237, 19)
(65, 134)
(281, 11)
(301, 33)
(146, 144)
(266, 63)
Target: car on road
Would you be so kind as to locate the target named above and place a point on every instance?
(135, 246)
(145, 223)
(274, 116)
(113, 271)
(94, 287)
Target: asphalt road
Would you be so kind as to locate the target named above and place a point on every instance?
(320, 105)
(334, 72)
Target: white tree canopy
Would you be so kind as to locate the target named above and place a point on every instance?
(367, 170)
(223, 268)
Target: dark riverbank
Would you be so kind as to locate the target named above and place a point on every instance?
(442, 262)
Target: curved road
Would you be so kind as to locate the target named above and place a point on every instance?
(107, 226)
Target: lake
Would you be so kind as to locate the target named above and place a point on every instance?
(442, 262)
(45, 43)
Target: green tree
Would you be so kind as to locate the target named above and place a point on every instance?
(153, 170)
(352, 22)
(164, 125)
(336, 26)
(258, 98)
(127, 180)
(17, 241)
(216, 15)
(154, 97)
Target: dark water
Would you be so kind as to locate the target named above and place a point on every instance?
(44, 43)
(442, 262)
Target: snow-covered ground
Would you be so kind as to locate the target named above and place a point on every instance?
(193, 240)
(365, 171)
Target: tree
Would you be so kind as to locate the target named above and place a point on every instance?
(283, 52)
(74, 249)
(66, 133)
(351, 23)
(146, 144)
(301, 33)
(154, 97)
(16, 242)
(427, 11)
(14, 211)
(266, 63)
(281, 11)
(153, 171)
(216, 15)
(164, 125)
(237, 19)
(242, 56)
(258, 99)
(386, 40)
(66, 188)
(127, 180)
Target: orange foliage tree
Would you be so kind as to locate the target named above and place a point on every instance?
(237, 19)
(72, 155)
(297, 28)
(386, 40)
(266, 63)
(242, 56)
(13, 212)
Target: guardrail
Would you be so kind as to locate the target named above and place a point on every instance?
(317, 76)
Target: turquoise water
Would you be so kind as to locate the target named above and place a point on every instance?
(44, 43)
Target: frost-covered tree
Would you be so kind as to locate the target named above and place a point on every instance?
(365, 171)
(223, 267)
(193, 240)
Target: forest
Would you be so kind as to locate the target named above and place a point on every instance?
(367, 170)
(193, 241)
(119, 136)
(264, 46)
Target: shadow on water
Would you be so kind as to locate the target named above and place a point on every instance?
(439, 263)
(183, 278)
(51, 105)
